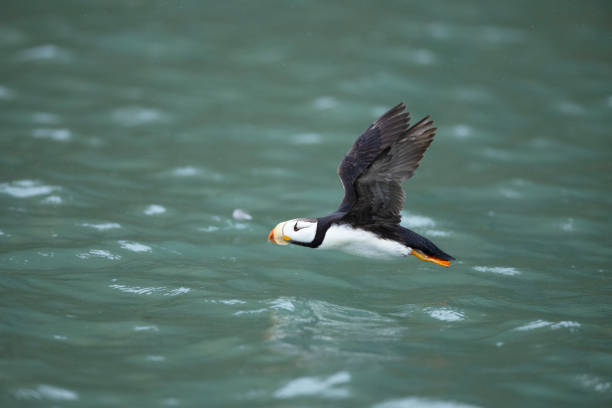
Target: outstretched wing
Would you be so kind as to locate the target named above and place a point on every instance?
(376, 138)
(386, 154)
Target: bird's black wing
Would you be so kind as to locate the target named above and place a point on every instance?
(386, 154)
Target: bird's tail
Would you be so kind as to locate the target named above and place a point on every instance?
(425, 246)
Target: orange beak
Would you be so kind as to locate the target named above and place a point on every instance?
(276, 235)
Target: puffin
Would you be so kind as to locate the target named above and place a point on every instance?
(367, 222)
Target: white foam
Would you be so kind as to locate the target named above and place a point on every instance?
(283, 303)
(139, 290)
(416, 402)
(315, 386)
(307, 138)
(60, 337)
(99, 253)
(594, 382)
(446, 314)
(232, 302)
(52, 199)
(502, 270)
(156, 358)
(178, 291)
(566, 324)
(47, 392)
(104, 226)
(134, 246)
(536, 324)
(25, 188)
(136, 289)
(246, 312)
(325, 102)
(155, 209)
(239, 214)
(59, 135)
(146, 328)
(186, 171)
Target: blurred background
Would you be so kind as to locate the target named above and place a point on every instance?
(148, 147)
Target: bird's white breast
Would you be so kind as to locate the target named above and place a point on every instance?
(360, 242)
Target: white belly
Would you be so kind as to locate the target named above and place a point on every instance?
(359, 242)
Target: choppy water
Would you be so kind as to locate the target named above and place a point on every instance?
(130, 132)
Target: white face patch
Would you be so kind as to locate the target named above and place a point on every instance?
(300, 230)
(364, 243)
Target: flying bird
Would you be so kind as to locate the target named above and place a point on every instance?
(367, 223)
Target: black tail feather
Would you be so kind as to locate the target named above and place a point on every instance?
(416, 241)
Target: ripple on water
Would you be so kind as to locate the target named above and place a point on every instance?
(501, 270)
(323, 323)
(136, 116)
(445, 314)
(538, 324)
(52, 200)
(142, 290)
(151, 328)
(423, 56)
(26, 188)
(44, 52)
(99, 253)
(316, 386)
(416, 221)
(186, 171)
(45, 118)
(44, 391)
(102, 226)
(325, 102)
(134, 246)
(594, 382)
(416, 402)
(306, 139)
(58, 135)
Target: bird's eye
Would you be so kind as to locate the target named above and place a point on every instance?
(295, 228)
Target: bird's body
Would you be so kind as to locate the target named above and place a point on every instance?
(358, 241)
(367, 221)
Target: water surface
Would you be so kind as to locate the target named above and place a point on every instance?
(130, 132)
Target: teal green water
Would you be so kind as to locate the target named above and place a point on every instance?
(131, 131)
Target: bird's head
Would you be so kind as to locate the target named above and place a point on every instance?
(297, 231)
